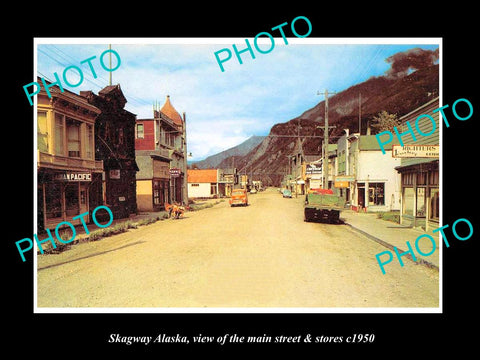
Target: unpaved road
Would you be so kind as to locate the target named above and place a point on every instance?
(263, 255)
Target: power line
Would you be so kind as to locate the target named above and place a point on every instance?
(373, 60)
(69, 61)
(60, 56)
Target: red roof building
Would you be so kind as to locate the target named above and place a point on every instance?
(160, 144)
(202, 183)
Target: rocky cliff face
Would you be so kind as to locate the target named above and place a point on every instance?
(398, 94)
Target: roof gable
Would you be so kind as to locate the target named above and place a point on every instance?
(170, 111)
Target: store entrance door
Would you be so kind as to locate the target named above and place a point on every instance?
(83, 197)
(361, 195)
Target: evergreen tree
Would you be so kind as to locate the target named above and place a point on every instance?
(384, 121)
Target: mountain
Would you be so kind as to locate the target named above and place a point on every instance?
(397, 93)
(244, 148)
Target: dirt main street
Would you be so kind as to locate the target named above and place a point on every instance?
(263, 255)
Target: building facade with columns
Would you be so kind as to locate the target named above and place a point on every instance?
(420, 167)
(69, 178)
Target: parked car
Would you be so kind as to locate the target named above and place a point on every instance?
(239, 197)
(287, 193)
(253, 191)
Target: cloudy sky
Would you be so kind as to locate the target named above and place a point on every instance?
(223, 108)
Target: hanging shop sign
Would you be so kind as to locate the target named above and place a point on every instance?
(114, 174)
(345, 178)
(415, 151)
(341, 184)
(73, 176)
(174, 172)
(313, 169)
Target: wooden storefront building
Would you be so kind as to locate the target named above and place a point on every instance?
(419, 168)
(69, 176)
(115, 146)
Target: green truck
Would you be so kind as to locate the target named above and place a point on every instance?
(323, 207)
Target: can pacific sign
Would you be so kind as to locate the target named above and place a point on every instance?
(59, 238)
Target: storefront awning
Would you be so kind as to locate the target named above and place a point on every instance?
(425, 166)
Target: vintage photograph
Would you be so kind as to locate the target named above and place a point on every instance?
(268, 174)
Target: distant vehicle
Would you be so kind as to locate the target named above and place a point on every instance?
(287, 193)
(253, 191)
(239, 197)
(323, 205)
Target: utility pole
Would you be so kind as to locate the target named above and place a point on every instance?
(185, 174)
(360, 113)
(297, 158)
(233, 173)
(325, 141)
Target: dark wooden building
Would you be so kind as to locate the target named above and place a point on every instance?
(115, 145)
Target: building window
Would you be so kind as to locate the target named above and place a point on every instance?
(156, 193)
(140, 133)
(73, 138)
(213, 189)
(160, 192)
(422, 178)
(408, 201)
(83, 197)
(42, 133)
(170, 139)
(434, 204)
(120, 136)
(167, 137)
(376, 193)
(53, 200)
(407, 179)
(106, 133)
(59, 134)
(420, 211)
(158, 134)
(72, 207)
(433, 178)
(90, 145)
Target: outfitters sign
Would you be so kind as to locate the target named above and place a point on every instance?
(312, 169)
(409, 151)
